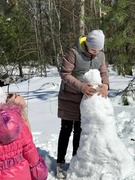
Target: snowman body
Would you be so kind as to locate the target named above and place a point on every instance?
(101, 154)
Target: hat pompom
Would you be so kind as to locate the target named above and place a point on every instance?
(3, 96)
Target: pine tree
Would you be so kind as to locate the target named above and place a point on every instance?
(119, 25)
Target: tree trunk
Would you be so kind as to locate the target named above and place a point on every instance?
(82, 17)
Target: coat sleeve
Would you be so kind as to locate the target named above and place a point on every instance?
(67, 68)
(104, 73)
(37, 164)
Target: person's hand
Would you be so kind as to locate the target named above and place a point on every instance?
(102, 90)
(88, 90)
(17, 99)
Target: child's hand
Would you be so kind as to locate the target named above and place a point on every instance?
(88, 90)
(102, 90)
(16, 98)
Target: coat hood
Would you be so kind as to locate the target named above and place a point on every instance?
(80, 46)
(10, 122)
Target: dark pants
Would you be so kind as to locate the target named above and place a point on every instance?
(66, 128)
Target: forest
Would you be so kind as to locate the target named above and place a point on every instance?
(36, 33)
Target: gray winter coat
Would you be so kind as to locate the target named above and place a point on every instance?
(75, 63)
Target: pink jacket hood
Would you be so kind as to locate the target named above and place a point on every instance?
(10, 122)
(19, 158)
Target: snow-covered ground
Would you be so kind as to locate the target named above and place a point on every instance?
(41, 93)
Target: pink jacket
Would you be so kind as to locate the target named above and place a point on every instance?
(19, 159)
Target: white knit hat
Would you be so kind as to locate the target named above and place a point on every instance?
(95, 40)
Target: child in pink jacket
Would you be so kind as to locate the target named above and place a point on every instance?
(19, 159)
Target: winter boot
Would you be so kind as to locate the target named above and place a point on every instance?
(60, 172)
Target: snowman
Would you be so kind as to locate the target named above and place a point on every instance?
(101, 154)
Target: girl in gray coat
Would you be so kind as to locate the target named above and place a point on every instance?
(84, 55)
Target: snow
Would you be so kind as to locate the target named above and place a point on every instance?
(101, 154)
(40, 94)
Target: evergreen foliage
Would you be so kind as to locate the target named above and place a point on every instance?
(39, 32)
(119, 25)
(16, 40)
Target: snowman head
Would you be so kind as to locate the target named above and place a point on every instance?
(92, 76)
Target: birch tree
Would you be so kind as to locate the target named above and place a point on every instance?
(82, 23)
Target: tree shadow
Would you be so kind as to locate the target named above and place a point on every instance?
(50, 161)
